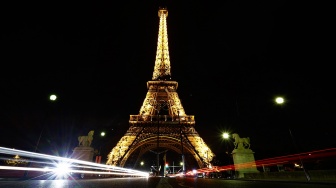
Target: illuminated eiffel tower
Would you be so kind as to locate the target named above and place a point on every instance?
(162, 122)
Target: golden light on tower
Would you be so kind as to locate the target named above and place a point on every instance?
(162, 60)
(162, 121)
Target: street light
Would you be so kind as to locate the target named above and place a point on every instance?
(281, 101)
(99, 156)
(52, 98)
(181, 140)
(226, 137)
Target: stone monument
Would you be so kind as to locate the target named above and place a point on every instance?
(243, 156)
(84, 151)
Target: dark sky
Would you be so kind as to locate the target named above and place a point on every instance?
(231, 58)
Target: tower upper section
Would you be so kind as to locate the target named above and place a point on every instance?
(162, 61)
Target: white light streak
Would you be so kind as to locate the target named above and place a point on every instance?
(75, 166)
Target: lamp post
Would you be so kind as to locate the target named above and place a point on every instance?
(52, 98)
(99, 155)
(281, 101)
(158, 139)
(226, 137)
(181, 139)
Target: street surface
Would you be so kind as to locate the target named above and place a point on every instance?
(158, 182)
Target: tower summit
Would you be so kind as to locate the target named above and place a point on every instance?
(162, 61)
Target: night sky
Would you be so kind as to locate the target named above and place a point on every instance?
(230, 59)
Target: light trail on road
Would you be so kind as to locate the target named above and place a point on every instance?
(50, 163)
(288, 159)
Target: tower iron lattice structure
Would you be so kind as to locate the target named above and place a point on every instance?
(162, 121)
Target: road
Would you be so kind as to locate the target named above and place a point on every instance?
(157, 182)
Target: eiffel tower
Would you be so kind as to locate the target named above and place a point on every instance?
(162, 122)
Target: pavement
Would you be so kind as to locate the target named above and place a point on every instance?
(326, 182)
